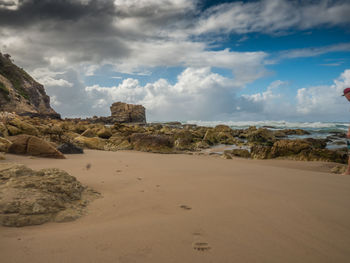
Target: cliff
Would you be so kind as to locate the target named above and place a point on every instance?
(20, 93)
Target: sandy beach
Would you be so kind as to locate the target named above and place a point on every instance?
(190, 208)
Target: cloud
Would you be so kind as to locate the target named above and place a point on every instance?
(272, 16)
(312, 52)
(197, 94)
(324, 101)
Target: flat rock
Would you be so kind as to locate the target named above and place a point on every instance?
(29, 197)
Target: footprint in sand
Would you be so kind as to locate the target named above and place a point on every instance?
(186, 207)
(201, 246)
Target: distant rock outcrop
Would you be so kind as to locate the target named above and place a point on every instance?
(123, 112)
(20, 93)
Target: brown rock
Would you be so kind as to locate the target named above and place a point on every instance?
(92, 143)
(123, 112)
(4, 144)
(152, 143)
(30, 197)
(31, 145)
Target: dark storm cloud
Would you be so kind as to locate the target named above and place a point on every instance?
(30, 12)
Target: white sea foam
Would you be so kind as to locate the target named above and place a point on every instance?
(326, 126)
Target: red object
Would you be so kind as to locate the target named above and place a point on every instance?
(347, 90)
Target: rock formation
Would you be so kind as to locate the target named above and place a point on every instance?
(123, 112)
(20, 93)
(29, 197)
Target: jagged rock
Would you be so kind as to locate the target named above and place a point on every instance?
(20, 93)
(123, 112)
(152, 143)
(29, 197)
(183, 140)
(260, 152)
(91, 143)
(261, 136)
(69, 148)
(289, 147)
(31, 145)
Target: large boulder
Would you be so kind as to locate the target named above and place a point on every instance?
(123, 112)
(31, 145)
(29, 197)
(152, 143)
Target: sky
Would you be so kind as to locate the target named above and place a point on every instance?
(186, 60)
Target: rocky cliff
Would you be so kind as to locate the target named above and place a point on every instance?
(20, 93)
(124, 112)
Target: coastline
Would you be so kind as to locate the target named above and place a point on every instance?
(189, 208)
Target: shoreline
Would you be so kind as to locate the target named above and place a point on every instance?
(190, 208)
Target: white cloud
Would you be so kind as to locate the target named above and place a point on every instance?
(272, 16)
(324, 101)
(198, 93)
(267, 95)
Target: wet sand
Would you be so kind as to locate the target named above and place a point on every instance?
(188, 208)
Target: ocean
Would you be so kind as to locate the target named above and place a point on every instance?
(334, 131)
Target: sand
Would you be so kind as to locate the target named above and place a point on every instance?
(183, 208)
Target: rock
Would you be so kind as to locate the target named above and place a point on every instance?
(152, 143)
(261, 136)
(222, 128)
(69, 148)
(210, 137)
(295, 132)
(4, 144)
(289, 147)
(91, 143)
(123, 112)
(104, 133)
(324, 155)
(118, 142)
(90, 133)
(260, 152)
(338, 169)
(31, 145)
(20, 93)
(13, 131)
(2, 156)
(23, 126)
(183, 140)
(239, 153)
(29, 197)
(3, 130)
(226, 155)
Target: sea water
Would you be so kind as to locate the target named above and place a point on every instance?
(317, 130)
